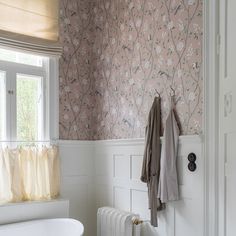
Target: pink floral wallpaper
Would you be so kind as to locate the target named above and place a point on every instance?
(77, 106)
(116, 53)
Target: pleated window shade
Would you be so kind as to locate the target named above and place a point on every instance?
(30, 25)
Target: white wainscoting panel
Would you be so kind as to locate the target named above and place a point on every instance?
(121, 198)
(77, 181)
(139, 198)
(117, 179)
(121, 167)
(107, 173)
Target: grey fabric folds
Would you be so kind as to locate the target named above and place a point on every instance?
(159, 168)
(151, 160)
(168, 189)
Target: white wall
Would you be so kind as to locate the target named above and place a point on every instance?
(77, 165)
(107, 173)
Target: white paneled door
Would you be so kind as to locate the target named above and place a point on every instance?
(227, 134)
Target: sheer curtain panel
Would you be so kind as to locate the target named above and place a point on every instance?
(29, 173)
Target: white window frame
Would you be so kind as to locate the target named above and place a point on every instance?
(53, 107)
(49, 73)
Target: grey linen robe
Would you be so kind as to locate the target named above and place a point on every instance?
(168, 189)
(151, 160)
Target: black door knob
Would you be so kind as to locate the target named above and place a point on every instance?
(192, 165)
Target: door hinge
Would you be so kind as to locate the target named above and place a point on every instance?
(218, 42)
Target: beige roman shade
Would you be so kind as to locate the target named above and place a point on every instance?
(30, 24)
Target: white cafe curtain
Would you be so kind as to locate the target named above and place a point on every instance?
(29, 173)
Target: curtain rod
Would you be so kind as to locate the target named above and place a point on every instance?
(36, 141)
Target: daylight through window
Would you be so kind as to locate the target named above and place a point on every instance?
(23, 100)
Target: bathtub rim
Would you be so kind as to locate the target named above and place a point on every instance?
(38, 221)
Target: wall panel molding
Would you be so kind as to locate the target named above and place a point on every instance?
(107, 172)
(114, 158)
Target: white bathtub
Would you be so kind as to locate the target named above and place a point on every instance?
(49, 227)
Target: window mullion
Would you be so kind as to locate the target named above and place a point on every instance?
(11, 105)
(8, 105)
(53, 99)
(45, 108)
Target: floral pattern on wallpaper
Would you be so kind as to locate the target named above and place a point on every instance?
(76, 80)
(125, 50)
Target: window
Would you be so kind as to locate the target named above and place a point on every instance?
(28, 114)
(19, 57)
(29, 100)
(25, 96)
(2, 105)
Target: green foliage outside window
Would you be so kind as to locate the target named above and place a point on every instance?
(28, 100)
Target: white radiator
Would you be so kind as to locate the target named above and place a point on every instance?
(114, 222)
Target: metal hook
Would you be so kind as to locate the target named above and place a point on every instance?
(158, 93)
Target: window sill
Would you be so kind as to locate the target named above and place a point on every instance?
(24, 211)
